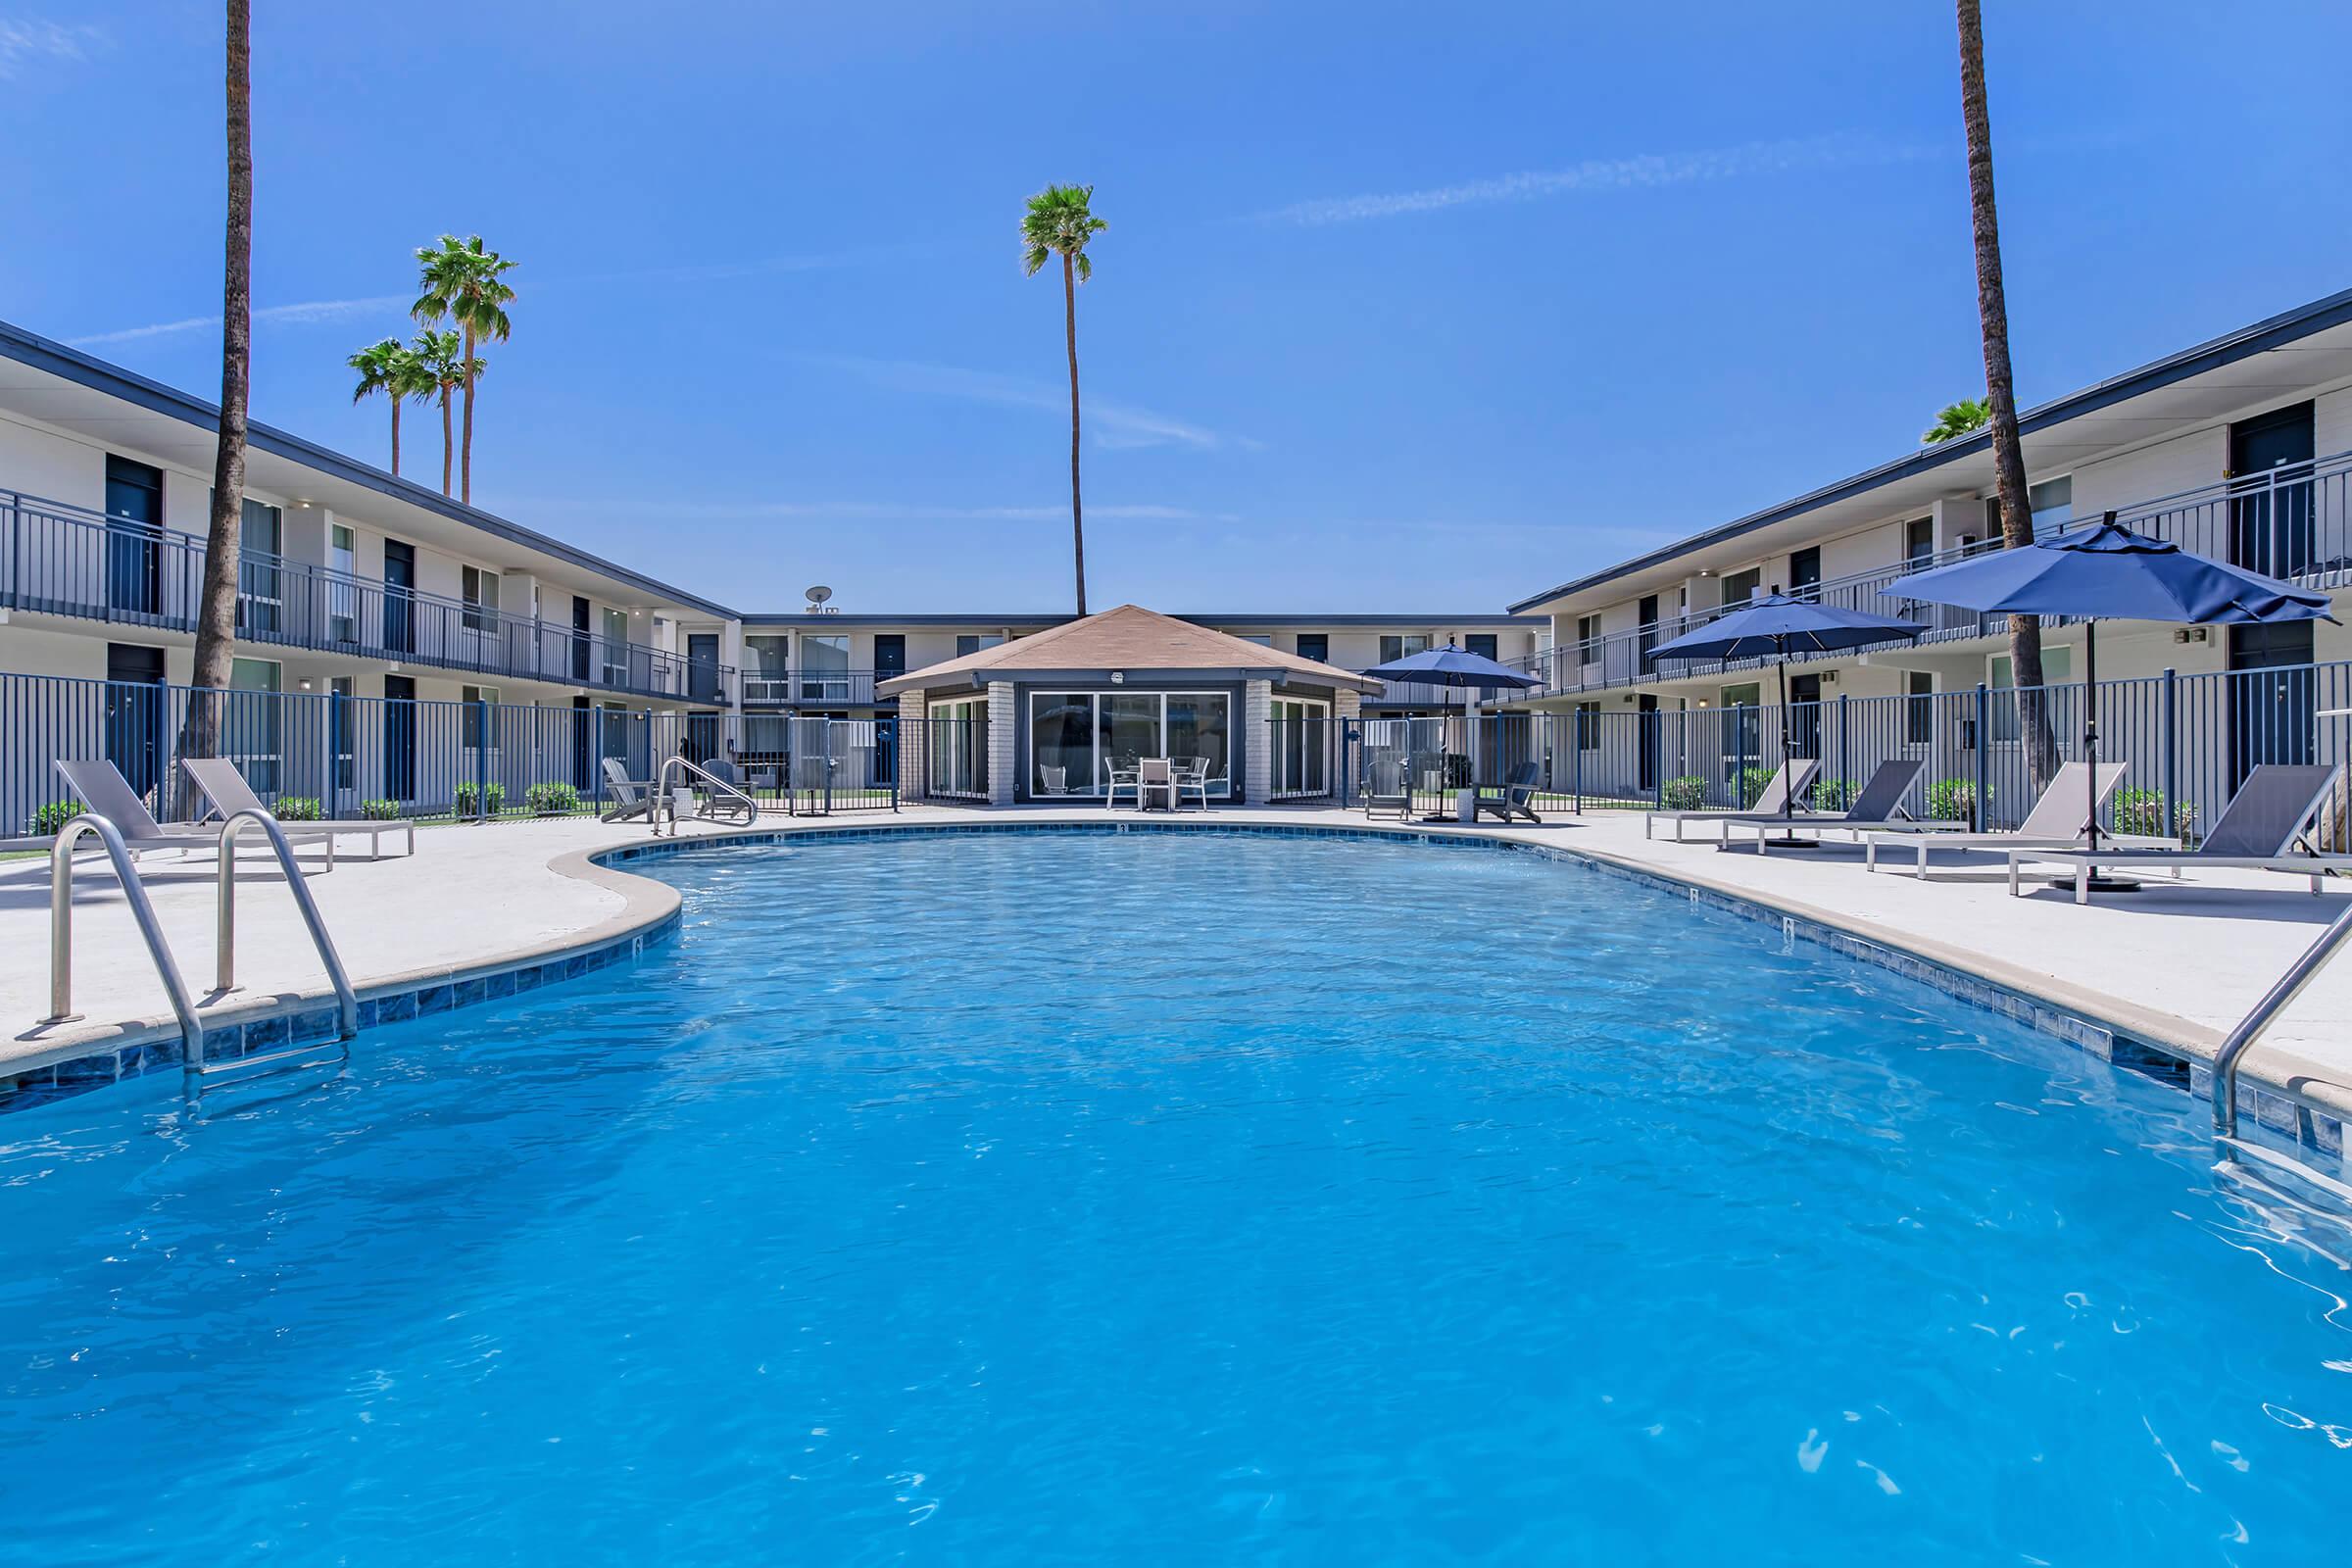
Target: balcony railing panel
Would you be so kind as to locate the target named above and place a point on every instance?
(63, 561)
(813, 688)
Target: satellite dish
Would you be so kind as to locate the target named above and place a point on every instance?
(820, 594)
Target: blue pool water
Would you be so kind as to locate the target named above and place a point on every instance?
(1178, 1199)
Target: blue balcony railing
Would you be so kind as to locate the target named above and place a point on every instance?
(59, 560)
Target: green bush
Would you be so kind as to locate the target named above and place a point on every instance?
(1833, 794)
(1951, 800)
(51, 819)
(297, 809)
(1751, 784)
(550, 799)
(466, 798)
(380, 811)
(2142, 811)
(1684, 794)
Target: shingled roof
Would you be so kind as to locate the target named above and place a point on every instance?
(1129, 638)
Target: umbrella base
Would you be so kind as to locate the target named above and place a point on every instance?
(1790, 844)
(2099, 884)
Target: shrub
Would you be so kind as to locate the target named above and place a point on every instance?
(1684, 794)
(2142, 812)
(297, 809)
(51, 819)
(467, 800)
(380, 811)
(550, 799)
(1751, 784)
(1952, 800)
(1833, 794)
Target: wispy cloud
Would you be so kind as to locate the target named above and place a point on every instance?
(898, 512)
(27, 41)
(1113, 423)
(315, 310)
(1645, 172)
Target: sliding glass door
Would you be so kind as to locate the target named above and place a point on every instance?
(1076, 738)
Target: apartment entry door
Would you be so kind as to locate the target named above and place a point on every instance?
(400, 739)
(2273, 698)
(2270, 517)
(135, 531)
(400, 603)
(135, 713)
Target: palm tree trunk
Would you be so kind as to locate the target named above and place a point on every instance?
(216, 608)
(1069, 314)
(446, 447)
(2001, 392)
(396, 436)
(466, 460)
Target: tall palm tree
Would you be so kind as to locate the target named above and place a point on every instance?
(464, 282)
(393, 368)
(1059, 223)
(1956, 419)
(2001, 392)
(445, 367)
(216, 606)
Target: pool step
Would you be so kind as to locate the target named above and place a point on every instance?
(2253, 1162)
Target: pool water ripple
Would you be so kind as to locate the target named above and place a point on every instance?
(1172, 1199)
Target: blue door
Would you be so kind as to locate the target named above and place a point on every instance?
(135, 531)
(400, 604)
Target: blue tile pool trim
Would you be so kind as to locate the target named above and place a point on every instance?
(2311, 1133)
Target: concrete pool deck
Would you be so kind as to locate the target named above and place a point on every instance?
(2174, 965)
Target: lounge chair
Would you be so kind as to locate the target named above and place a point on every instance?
(2056, 822)
(2267, 826)
(1053, 781)
(632, 799)
(227, 793)
(1385, 788)
(1880, 803)
(1190, 773)
(105, 791)
(1769, 803)
(1518, 789)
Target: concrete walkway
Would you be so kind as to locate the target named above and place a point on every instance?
(2176, 965)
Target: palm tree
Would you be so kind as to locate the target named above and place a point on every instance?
(1956, 419)
(1059, 222)
(2000, 391)
(462, 282)
(444, 365)
(394, 369)
(216, 608)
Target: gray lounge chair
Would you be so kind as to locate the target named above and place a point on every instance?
(1518, 789)
(1880, 803)
(2056, 822)
(227, 793)
(1769, 803)
(632, 799)
(1386, 787)
(103, 792)
(2267, 826)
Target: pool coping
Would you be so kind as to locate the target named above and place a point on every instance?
(2305, 1109)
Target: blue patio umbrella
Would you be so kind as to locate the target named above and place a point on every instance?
(1774, 626)
(2104, 572)
(1455, 667)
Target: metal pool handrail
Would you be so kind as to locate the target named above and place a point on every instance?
(2273, 1002)
(142, 911)
(662, 794)
(347, 1001)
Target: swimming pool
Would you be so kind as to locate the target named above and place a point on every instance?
(1171, 1197)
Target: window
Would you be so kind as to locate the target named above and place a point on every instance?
(1262, 640)
(261, 597)
(1739, 587)
(1804, 569)
(339, 707)
(1919, 713)
(1918, 539)
(1076, 738)
(342, 590)
(616, 649)
(2055, 665)
(1300, 740)
(825, 668)
(1481, 643)
(471, 717)
(971, 641)
(1588, 726)
(2052, 502)
(1588, 638)
(767, 670)
(1404, 647)
(249, 725)
(481, 598)
(1315, 645)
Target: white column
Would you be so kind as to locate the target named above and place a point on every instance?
(1257, 740)
(915, 738)
(1004, 764)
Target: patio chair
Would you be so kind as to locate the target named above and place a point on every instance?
(1053, 781)
(224, 790)
(1518, 789)
(632, 798)
(1878, 802)
(1155, 776)
(1191, 773)
(105, 791)
(1769, 803)
(2267, 826)
(2056, 822)
(1123, 776)
(1385, 788)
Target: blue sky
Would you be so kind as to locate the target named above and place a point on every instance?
(1401, 307)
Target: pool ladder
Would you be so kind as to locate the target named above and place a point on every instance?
(196, 1070)
(666, 794)
(2250, 1028)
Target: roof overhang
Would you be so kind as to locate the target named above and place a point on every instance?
(1146, 679)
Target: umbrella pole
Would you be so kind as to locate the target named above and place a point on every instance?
(1788, 757)
(2090, 727)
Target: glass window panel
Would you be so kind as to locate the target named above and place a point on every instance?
(1062, 743)
(1199, 725)
(1131, 730)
